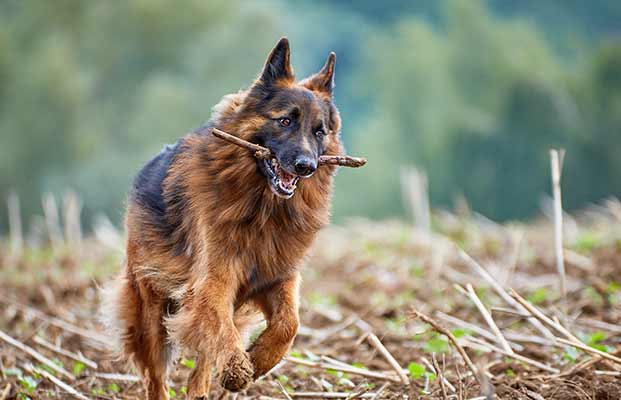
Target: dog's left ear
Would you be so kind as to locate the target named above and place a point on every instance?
(322, 81)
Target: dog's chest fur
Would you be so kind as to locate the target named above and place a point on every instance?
(212, 202)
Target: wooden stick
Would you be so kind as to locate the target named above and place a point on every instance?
(283, 390)
(608, 373)
(556, 163)
(570, 338)
(34, 354)
(488, 318)
(440, 375)
(502, 292)
(115, 377)
(435, 325)
(343, 161)
(514, 355)
(57, 349)
(6, 391)
(67, 388)
(433, 369)
(380, 391)
(593, 323)
(263, 153)
(374, 340)
(474, 328)
(100, 339)
(259, 151)
(543, 318)
(329, 395)
(589, 349)
(351, 370)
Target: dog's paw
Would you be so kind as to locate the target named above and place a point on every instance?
(237, 373)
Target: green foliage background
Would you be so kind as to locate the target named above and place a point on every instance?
(474, 92)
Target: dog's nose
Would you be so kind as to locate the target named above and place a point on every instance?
(305, 166)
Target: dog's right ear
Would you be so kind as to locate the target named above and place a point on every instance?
(277, 67)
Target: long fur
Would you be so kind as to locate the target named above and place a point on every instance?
(205, 233)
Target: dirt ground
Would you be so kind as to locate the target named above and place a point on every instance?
(363, 286)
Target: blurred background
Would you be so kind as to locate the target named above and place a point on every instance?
(472, 92)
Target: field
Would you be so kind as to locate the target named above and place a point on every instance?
(493, 288)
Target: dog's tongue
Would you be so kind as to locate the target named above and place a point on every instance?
(286, 178)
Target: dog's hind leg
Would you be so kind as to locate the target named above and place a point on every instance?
(150, 343)
(134, 313)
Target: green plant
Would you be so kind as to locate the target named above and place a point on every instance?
(416, 370)
(538, 296)
(28, 382)
(77, 368)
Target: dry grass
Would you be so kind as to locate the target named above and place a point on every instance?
(360, 338)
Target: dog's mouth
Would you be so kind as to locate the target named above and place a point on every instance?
(282, 183)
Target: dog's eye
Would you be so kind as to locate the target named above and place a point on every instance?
(320, 133)
(284, 122)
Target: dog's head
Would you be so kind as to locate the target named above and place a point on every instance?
(297, 121)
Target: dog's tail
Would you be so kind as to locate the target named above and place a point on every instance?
(117, 298)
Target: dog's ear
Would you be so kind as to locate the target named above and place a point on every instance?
(322, 81)
(277, 66)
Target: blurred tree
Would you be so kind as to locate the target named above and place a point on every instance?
(473, 91)
(89, 92)
(595, 170)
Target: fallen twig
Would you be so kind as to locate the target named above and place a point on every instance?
(380, 391)
(488, 318)
(100, 339)
(474, 328)
(543, 318)
(116, 377)
(35, 354)
(433, 369)
(589, 349)
(589, 322)
(351, 370)
(329, 395)
(57, 349)
(582, 365)
(5, 392)
(570, 340)
(452, 339)
(283, 390)
(608, 373)
(67, 388)
(502, 292)
(513, 355)
(265, 153)
(440, 375)
(374, 340)
(319, 335)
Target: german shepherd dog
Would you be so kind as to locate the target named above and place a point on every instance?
(216, 236)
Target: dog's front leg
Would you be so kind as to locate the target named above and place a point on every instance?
(205, 323)
(280, 307)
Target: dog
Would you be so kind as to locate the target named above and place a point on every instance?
(216, 236)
